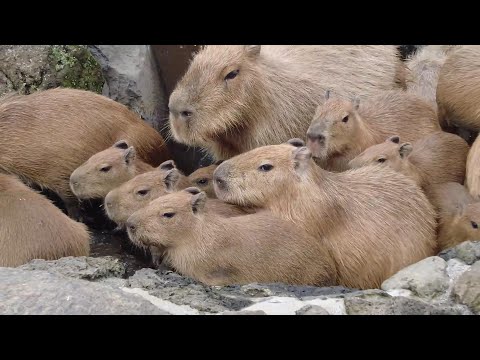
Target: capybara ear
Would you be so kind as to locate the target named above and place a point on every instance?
(167, 165)
(405, 150)
(296, 142)
(218, 162)
(356, 102)
(301, 157)
(198, 202)
(130, 155)
(394, 139)
(122, 144)
(193, 190)
(171, 178)
(327, 94)
(253, 50)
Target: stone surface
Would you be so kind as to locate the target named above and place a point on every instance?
(83, 267)
(467, 288)
(468, 252)
(427, 278)
(26, 292)
(312, 310)
(258, 312)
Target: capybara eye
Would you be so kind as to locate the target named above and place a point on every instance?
(186, 113)
(381, 160)
(202, 182)
(265, 167)
(232, 75)
(106, 168)
(345, 119)
(168, 215)
(474, 224)
(143, 192)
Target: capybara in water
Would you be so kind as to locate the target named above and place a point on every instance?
(33, 228)
(202, 178)
(434, 159)
(234, 98)
(215, 250)
(424, 69)
(375, 221)
(458, 214)
(341, 129)
(45, 136)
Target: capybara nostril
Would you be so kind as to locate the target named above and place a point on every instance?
(220, 183)
(315, 137)
(131, 227)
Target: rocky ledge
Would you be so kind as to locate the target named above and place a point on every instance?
(447, 284)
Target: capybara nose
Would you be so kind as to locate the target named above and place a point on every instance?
(181, 111)
(312, 136)
(220, 175)
(220, 183)
(108, 204)
(131, 227)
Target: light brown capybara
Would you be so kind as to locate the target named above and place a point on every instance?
(472, 177)
(424, 69)
(434, 159)
(33, 228)
(374, 220)
(234, 98)
(202, 178)
(341, 129)
(458, 89)
(201, 244)
(458, 214)
(45, 136)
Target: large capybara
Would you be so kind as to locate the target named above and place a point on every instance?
(434, 159)
(341, 129)
(33, 228)
(472, 177)
(202, 178)
(45, 136)
(234, 98)
(424, 69)
(208, 247)
(458, 89)
(374, 220)
(458, 214)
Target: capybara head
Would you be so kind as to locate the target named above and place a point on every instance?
(104, 171)
(202, 178)
(214, 93)
(467, 225)
(167, 220)
(333, 127)
(261, 174)
(389, 153)
(134, 194)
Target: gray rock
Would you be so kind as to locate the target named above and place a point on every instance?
(468, 252)
(427, 278)
(467, 288)
(26, 292)
(301, 292)
(82, 267)
(257, 312)
(28, 68)
(312, 310)
(399, 306)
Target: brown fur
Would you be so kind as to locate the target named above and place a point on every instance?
(239, 250)
(374, 220)
(472, 177)
(45, 136)
(434, 159)
(202, 178)
(33, 228)
(349, 127)
(275, 93)
(458, 89)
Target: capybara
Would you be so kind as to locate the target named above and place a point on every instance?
(434, 159)
(201, 244)
(424, 68)
(341, 128)
(202, 178)
(472, 177)
(458, 89)
(374, 220)
(458, 214)
(33, 228)
(45, 136)
(234, 98)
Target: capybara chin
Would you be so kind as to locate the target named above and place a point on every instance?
(202, 178)
(234, 98)
(33, 228)
(45, 136)
(200, 243)
(342, 128)
(107, 170)
(434, 159)
(374, 220)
